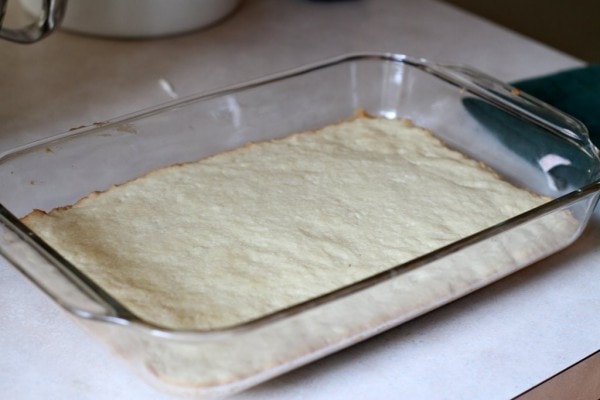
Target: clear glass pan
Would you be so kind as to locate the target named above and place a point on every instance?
(526, 141)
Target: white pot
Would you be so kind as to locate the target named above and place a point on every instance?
(138, 18)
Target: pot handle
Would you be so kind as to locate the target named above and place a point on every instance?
(52, 14)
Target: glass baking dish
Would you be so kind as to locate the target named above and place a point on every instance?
(526, 141)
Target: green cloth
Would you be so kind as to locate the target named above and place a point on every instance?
(575, 92)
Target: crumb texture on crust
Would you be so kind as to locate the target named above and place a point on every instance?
(244, 233)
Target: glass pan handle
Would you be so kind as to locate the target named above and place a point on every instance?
(37, 261)
(510, 99)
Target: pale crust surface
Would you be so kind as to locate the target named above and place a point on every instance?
(244, 233)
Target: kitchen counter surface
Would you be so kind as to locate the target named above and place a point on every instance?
(493, 344)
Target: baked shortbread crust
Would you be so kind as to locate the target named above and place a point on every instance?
(244, 233)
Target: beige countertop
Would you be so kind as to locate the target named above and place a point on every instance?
(494, 344)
